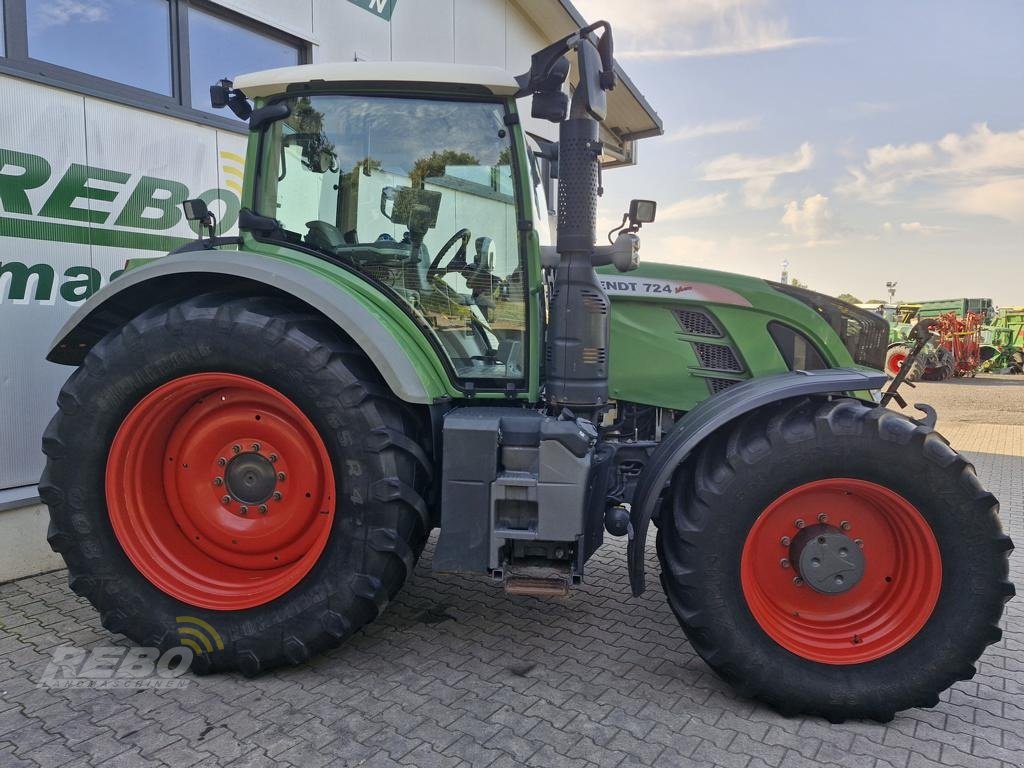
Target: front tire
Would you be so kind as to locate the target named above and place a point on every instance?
(925, 565)
(232, 464)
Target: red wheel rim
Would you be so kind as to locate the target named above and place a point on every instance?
(892, 601)
(895, 362)
(220, 491)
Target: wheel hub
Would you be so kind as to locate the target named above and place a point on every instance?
(827, 559)
(251, 478)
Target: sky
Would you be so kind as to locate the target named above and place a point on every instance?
(859, 142)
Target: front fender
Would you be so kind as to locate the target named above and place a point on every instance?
(390, 342)
(713, 414)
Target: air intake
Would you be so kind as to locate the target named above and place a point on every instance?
(717, 357)
(697, 323)
(717, 385)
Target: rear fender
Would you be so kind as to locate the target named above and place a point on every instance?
(393, 349)
(710, 416)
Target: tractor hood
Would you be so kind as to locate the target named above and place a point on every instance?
(681, 333)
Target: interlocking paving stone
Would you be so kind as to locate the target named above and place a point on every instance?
(456, 673)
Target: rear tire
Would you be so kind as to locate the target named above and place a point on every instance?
(894, 362)
(927, 524)
(364, 519)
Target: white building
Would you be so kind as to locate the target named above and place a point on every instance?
(105, 127)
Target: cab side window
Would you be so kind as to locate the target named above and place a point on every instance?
(417, 195)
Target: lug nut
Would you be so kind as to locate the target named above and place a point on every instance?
(222, 462)
(225, 499)
(263, 509)
(859, 543)
(784, 541)
(244, 511)
(845, 525)
(277, 496)
(798, 581)
(822, 517)
(218, 481)
(236, 449)
(799, 523)
(272, 457)
(281, 476)
(256, 447)
(784, 563)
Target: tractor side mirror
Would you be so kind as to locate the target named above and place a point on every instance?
(591, 82)
(417, 209)
(642, 212)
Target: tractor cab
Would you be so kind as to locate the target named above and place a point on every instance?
(422, 197)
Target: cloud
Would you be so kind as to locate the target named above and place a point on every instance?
(56, 13)
(978, 173)
(693, 207)
(757, 193)
(714, 129)
(917, 228)
(758, 44)
(758, 172)
(889, 155)
(741, 167)
(655, 29)
(1003, 199)
(812, 221)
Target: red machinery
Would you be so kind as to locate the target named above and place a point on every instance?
(961, 336)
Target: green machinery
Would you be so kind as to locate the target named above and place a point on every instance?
(1002, 348)
(262, 431)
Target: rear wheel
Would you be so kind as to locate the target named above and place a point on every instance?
(896, 357)
(231, 464)
(835, 559)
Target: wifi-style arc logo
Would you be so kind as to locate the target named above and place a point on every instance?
(198, 635)
(233, 168)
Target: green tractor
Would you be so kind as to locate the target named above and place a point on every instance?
(263, 430)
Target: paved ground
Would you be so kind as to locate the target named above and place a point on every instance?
(457, 673)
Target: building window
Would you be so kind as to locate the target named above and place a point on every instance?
(219, 48)
(161, 55)
(126, 41)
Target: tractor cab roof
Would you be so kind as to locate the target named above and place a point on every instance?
(274, 81)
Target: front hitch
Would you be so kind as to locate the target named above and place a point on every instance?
(921, 334)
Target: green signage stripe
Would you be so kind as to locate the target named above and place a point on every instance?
(70, 233)
(383, 8)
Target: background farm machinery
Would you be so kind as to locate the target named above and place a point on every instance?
(957, 347)
(1002, 348)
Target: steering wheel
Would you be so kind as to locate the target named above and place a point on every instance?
(458, 261)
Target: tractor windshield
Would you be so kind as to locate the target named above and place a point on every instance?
(417, 195)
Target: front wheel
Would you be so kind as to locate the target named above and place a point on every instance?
(229, 475)
(835, 559)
